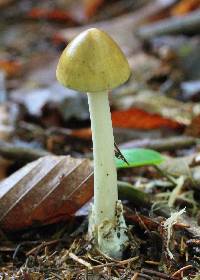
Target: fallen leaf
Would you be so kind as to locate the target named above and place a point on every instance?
(50, 14)
(139, 119)
(39, 102)
(188, 166)
(138, 157)
(91, 7)
(11, 68)
(4, 3)
(21, 152)
(45, 191)
(144, 66)
(161, 144)
(194, 128)
(190, 90)
(181, 51)
(83, 133)
(58, 40)
(153, 102)
(184, 7)
(179, 166)
(129, 119)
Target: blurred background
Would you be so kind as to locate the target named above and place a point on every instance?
(161, 99)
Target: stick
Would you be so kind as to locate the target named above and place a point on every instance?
(156, 273)
(79, 260)
(25, 154)
(162, 144)
(174, 25)
(181, 270)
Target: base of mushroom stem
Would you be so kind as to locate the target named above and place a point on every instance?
(110, 236)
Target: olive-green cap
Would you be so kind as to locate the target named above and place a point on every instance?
(92, 62)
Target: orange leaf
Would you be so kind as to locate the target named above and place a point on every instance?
(184, 7)
(55, 14)
(84, 133)
(57, 39)
(91, 7)
(194, 128)
(139, 119)
(45, 191)
(11, 68)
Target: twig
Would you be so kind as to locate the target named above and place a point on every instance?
(25, 154)
(135, 276)
(104, 265)
(106, 257)
(187, 23)
(111, 264)
(56, 275)
(181, 270)
(23, 244)
(40, 246)
(144, 276)
(181, 226)
(152, 262)
(118, 8)
(193, 228)
(142, 223)
(164, 174)
(166, 144)
(176, 191)
(79, 260)
(156, 273)
(128, 260)
(115, 263)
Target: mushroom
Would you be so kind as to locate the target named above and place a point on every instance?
(93, 63)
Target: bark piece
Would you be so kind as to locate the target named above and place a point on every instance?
(188, 23)
(162, 144)
(24, 154)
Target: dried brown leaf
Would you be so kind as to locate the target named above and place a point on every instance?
(139, 119)
(91, 7)
(179, 166)
(45, 191)
(184, 7)
(153, 102)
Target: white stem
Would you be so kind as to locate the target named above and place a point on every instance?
(106, 224)
(105, 174)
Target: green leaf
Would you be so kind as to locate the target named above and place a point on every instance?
(139, 157)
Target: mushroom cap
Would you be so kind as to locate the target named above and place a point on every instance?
(92, 62)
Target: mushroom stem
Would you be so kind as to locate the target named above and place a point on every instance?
(105, 174)
(106, 224)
